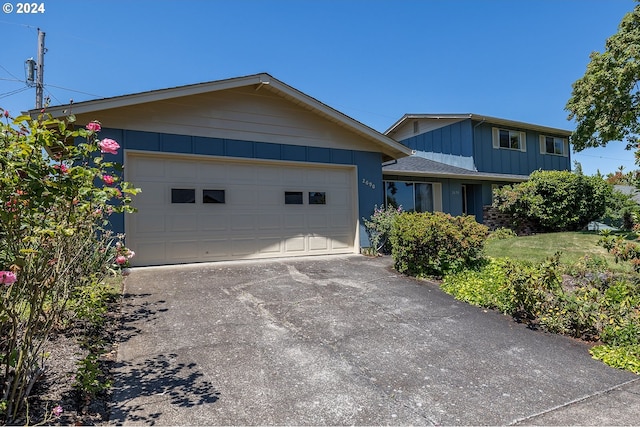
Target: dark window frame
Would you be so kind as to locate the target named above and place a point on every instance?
(179, 197)
(293, 198)
(317, 197)
(217, 196)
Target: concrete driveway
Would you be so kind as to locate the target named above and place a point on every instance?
(343, 340)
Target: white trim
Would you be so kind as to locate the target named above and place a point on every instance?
(543, 145)
(262, 81)
(480, 118)
(522, 138)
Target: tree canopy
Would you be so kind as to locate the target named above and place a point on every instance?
(605, 102)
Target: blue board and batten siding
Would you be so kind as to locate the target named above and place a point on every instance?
(368, 163)
(469, 138)
(500, 160)
(454, 139)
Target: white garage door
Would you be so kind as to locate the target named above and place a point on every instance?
(200, 209)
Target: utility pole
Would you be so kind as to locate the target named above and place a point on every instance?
(40, 72)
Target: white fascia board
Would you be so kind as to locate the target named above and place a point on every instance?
(154, 95)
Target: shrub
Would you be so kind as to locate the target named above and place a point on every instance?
(378, 228)
(433, 244)
(555, 200)
(621, 248)
(502, 233)
(56, 198)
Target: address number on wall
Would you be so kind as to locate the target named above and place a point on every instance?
(369, 183)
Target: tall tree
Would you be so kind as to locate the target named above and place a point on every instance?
(605, 102)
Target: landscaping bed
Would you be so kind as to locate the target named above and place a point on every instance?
(57, 386)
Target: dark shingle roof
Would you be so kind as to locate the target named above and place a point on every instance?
(419, 166)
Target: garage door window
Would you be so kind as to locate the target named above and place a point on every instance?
(183, 195)
(317, 198)
(293, 197)
(213, 196)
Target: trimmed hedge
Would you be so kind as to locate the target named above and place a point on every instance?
(433, 244)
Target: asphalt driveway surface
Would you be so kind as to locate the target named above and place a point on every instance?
(343, 340)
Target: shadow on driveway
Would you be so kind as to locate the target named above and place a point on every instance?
(341, 340)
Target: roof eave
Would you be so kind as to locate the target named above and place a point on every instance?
(480, 118)
(473, 177)
(390, 148)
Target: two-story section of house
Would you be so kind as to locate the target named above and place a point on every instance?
(459, 159)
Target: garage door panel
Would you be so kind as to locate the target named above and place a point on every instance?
(292, 176)
(151, 223)
(182, 223)
(269, 221)
(183, 249)
(212, 172)
(295, 222)
(317, 222)
(155, 193)
(211, 248)
(294, 244)
(270, 197)
(145, 168)
(154, 252)
(243, 246)
(243, 222)
(181, 171)
(242, 197)
(241, 174)
(253, 220)
(341, 242)
(318, 243)
(270, 245)
(208, 222)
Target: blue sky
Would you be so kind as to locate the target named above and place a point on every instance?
(374, 60)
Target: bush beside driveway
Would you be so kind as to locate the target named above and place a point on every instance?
(333, 340)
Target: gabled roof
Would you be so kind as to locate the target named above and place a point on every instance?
(419, 166)
(389, 147)
(477, 117)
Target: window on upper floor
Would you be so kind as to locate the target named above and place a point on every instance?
(554, 145)
(509, 139)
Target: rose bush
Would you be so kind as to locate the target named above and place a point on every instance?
(54, 236)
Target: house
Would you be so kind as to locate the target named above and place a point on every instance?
(458, 159)
(241, 168)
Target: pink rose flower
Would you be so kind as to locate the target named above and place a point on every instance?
(94, 126)
(7, 277)
(120, 259)
(108, 179)
(61, 168)
(57, 411)
(6, 113)
(109, 146)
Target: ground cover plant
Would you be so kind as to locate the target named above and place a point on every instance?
(578, 294)
(57, 191)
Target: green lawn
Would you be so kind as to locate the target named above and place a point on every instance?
(573, 245)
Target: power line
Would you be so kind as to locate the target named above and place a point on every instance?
(9, 72)
(76, 91)
(13, 92)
